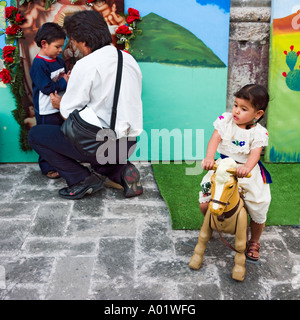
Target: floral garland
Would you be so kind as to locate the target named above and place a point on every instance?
(128, 31)
(11, 50)
(11, 71)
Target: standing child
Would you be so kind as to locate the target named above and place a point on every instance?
(238, 135)
(48, 74)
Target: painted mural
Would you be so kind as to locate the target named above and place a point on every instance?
(183, 55)
(284, 83)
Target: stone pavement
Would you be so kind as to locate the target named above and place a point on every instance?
(106, 247)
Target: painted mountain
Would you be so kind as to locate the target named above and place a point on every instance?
(163, 41)
(289, 24)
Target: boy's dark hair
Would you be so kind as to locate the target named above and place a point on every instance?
(256, 94)
(50, 32)
(89, 27)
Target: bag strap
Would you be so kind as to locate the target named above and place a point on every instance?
(117, 91)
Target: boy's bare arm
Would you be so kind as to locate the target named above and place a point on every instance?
(55, 99)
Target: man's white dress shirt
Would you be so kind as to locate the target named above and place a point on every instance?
(92, 83)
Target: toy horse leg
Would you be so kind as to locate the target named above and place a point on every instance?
(204, 236)
(239, 270)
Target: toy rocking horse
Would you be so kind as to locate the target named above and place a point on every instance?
(226, 213)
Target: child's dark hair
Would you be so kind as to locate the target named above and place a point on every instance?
(256, 94)
(50, 32)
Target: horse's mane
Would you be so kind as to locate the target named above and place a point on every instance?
(222, 176)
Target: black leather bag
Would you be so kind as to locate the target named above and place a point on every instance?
(87, 137)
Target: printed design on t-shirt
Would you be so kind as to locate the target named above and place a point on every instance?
(239, 143)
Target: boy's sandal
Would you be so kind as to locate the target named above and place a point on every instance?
(52, 174)
(252, 251)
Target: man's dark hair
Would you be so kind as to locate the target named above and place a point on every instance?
(89, 27)
(50, 32)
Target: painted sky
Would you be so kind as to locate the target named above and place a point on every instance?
(208, 22)
(281, 9)
(2, 27)
(207, 19)
(224, 4)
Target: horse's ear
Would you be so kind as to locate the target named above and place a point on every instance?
(215, 167)
(233, 171)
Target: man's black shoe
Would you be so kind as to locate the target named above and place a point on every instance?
(131, 181)
(89, 185)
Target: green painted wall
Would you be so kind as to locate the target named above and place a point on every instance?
(9, 132)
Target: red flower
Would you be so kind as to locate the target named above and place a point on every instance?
(9, 11)
(133, 15)
(8, 50)
(130, 19)
(123, 30)
(19, 18)
(90, 1)
(12, 30)
(5, 76)
(9, 60)
(133, 12)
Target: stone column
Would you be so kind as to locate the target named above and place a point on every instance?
(249, 36)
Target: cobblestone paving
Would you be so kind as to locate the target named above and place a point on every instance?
(107, 247)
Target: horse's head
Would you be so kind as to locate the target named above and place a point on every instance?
(224, 186)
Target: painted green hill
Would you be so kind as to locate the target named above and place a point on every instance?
(164, 41)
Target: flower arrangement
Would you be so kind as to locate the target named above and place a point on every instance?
(11, 71)
(5, 76)
(128, 31)
(11, 52)
(9, 59)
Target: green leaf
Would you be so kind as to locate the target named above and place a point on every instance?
(21, 91)
(17, 59)
(10, 40)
